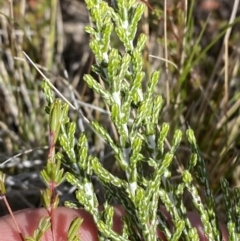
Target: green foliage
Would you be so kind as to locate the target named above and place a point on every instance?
(73, 229)
(44, 225)
(141, 144)
(142, 148)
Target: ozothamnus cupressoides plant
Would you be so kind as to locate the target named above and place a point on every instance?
(141, 143)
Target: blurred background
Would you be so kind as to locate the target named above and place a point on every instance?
(200, 85)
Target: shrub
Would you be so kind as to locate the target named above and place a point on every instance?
(140, 147)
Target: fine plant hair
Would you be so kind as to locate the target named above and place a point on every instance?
(139, 148)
